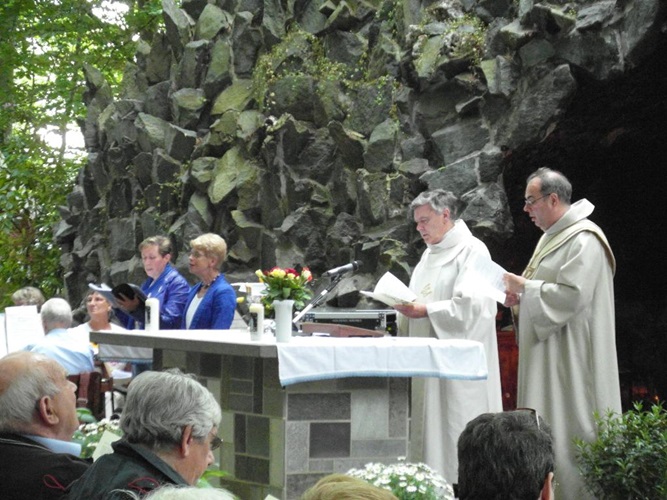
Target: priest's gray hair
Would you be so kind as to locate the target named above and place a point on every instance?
(553, 181)
(160, 404)
(439, 200)
(18, 400)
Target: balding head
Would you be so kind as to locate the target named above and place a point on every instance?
(36, 397)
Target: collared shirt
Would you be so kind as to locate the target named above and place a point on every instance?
(71, 351)
(56, 445)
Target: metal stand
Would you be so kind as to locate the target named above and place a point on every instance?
(315, 301)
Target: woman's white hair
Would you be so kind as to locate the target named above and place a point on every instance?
(173, 492)
(160, 404)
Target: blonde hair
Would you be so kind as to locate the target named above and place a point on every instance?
(211, 245)
(342, 487)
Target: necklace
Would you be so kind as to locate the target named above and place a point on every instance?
(206, 286)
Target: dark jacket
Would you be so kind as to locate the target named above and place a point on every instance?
(216, 310)
(171, 289)
(130, 467)
(30, 470)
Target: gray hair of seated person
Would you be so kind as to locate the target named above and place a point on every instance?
(56, 313)
(504, 456)
(438, 200)
(173, 492)
(18, 401)
(28, 296)
(160, 404)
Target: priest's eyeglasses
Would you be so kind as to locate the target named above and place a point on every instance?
(531, 201)
(533, 411)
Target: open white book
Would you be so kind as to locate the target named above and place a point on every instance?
(390, 290)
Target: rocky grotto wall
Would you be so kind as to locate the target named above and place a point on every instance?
(300, 131)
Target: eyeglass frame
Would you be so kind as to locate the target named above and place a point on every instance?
(216, 442)
(534, 412)
(532, 202)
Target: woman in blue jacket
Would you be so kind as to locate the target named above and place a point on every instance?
(212, 302)
(164, 283)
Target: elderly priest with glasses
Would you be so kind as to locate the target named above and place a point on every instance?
(170, 424)
(566, 331)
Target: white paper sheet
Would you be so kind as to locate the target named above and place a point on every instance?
(3, 336)
(490, 276)
(390, 290)
(23, 327)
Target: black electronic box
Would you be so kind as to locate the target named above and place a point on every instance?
(371, 319)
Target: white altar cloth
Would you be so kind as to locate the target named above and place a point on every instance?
(305, 359)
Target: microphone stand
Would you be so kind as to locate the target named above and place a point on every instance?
(315, 301)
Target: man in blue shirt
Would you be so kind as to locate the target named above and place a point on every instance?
(37, 420)
(71, 350)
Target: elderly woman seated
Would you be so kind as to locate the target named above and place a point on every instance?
(170, 424)
(212, 302)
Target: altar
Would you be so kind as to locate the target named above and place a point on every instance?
(295, 412)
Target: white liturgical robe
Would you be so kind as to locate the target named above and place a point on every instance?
(567, 345)
(445, 281)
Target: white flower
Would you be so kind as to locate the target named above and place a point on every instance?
(406, 480)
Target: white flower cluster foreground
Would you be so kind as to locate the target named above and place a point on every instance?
(408, 481)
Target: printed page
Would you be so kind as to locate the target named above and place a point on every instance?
(390, 290)
(490, 276)
(3, 336)
(23, 327)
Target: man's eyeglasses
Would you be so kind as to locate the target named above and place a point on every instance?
(534, 412)
(531, 201)
(216, 443)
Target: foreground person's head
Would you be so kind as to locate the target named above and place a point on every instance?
(506, 456)
(174, 416)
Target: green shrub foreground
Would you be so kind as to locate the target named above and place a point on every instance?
(628, 460)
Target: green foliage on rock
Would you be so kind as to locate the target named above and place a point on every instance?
(44, 46)
(628, 460)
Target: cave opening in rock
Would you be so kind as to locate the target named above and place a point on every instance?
(612, 145)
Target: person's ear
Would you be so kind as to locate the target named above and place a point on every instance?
(186, 441)
(47, 412)
(547, 492)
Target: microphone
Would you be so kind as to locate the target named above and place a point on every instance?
(352, 266)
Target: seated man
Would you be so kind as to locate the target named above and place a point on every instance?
(37, 420)
(68, 348)
(506, 456)
(170, 424)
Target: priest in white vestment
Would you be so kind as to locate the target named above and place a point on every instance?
(566, 328)
(448, 307)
